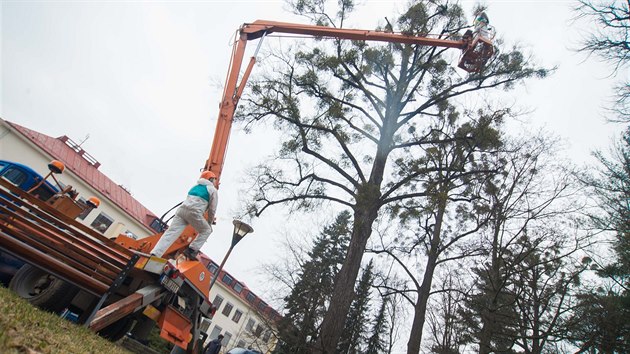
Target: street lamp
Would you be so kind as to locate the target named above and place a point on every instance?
(240, 230)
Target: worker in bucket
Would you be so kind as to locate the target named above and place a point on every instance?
(202, 198)
(482, 26)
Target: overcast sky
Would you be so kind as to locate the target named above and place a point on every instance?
(143, 79)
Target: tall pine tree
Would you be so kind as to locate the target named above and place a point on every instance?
(308, 300)
(360, 121)
(376, 342)
(354, 334)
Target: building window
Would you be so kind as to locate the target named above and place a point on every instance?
(262, 305)
(251, 297)
(266, 336)
(258, 331)
(250, 325)
(205, 325)
(130, 234)
(227, 309)
(227, 279)
(238, 287)
(158, 225)
(215, 332)
(43, 192)
(227, 337)
(86, 209)
(218, 300)
(212, 268)
(102, 222)
(237, 316)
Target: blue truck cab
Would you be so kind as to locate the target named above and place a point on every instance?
(25, 178)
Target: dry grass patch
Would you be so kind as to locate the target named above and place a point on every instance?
(26, 329)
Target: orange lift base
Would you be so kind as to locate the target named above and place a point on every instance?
(175, 327)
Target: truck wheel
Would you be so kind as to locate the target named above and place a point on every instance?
(42, 289)
(117, 330)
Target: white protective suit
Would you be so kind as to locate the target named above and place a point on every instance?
(191, 213)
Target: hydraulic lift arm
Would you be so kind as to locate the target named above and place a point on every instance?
(475, 54)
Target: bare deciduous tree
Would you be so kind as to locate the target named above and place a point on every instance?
(610, 40)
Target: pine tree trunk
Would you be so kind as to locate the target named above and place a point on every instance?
(367, 205)
(420, 310)
(488, 315)
(486, 332)
(333, 323)
(536, 348)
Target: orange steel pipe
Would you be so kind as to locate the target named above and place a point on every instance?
(226, 111)
(112, 313)
(108, 248)
(54, 266)
(104, 247)
(25, 238)
(64, 244)
(61, 239)
(257, 28)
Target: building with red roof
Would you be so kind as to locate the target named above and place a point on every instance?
(243, 318)
(84, 166)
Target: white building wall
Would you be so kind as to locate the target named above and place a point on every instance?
(14, 147)
(240, 335)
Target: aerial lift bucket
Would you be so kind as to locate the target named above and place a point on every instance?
(478, 51)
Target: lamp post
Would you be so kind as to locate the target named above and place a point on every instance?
(240, 230)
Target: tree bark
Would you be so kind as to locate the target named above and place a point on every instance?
(488, 315)
(367, 205)
(343, 292)
(420, 309)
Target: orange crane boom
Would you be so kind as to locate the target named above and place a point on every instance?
(475, 53)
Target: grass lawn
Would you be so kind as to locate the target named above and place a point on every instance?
(26, 329)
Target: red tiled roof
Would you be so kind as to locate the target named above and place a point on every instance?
(86, 167)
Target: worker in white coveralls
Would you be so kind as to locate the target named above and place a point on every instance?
(482, 26)
(203, 197)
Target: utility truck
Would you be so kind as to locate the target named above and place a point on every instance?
(72, 268)
(110, 284)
